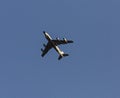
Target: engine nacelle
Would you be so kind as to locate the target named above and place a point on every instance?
(44, 45)
(57, 38)
(41, 49)
(65, 40)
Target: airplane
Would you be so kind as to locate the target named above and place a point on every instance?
(54, 44)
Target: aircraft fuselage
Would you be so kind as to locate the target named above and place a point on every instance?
(48, 37)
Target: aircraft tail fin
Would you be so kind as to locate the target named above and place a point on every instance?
(60, 57)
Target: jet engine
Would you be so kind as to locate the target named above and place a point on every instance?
(65, 40)
(41, 49)
(44, 45)
(57, 38)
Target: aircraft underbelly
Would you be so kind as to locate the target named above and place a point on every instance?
(57, 49)
(54, 44)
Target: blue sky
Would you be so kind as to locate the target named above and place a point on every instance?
(91, 71)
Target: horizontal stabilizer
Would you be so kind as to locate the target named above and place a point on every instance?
(65, 54)
(60, 57)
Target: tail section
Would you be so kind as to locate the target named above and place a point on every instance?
(63, 55)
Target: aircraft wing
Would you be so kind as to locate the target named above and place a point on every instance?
(47, 48)
(64, 41)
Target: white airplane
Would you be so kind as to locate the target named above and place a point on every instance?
(54, 44)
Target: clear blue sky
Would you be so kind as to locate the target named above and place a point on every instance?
(91, 71)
